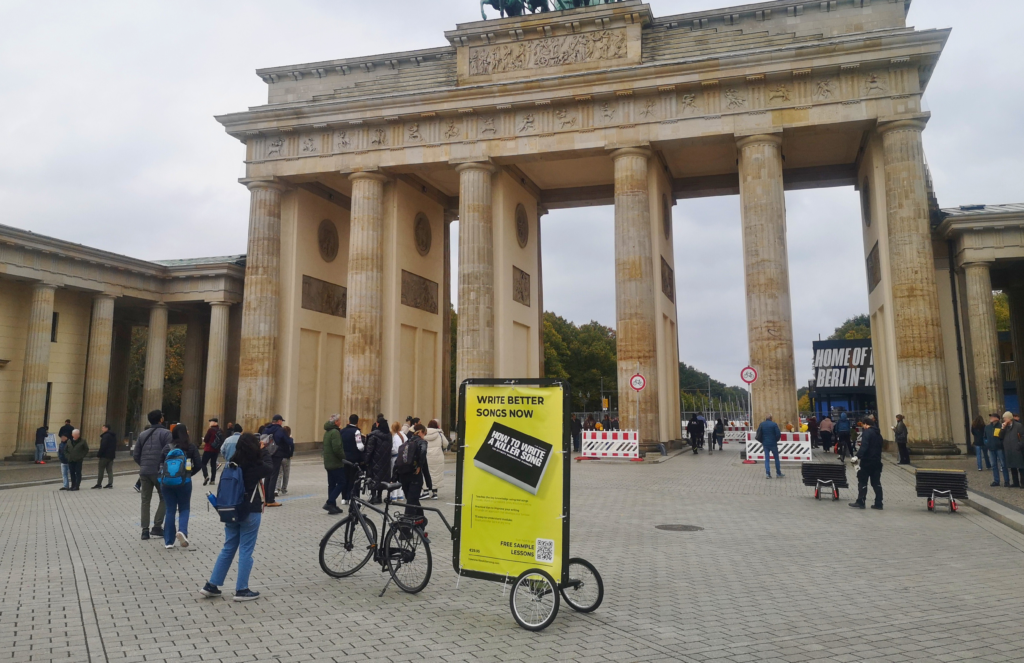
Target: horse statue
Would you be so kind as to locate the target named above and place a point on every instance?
(520, 7)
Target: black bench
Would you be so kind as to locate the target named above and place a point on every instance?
(824, 475)
(942, 484)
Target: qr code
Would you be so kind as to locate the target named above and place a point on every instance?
(545, 551)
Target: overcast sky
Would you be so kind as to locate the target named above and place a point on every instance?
(109, 140)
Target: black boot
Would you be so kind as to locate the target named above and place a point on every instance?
(857, 505)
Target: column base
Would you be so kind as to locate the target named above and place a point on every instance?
(934, 449)
(23, 456)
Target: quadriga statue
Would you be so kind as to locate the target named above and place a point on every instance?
(520, 7)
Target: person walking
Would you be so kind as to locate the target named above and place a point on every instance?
(994, 446)
(254, 461)
(812, 428)
(1012, 434)
(901, 433)
(870, 464)
(843, 432)
(177, 490)
(62, 455)
(978, 435)
(228, 448)
(105, 457)
(148, 453)
(378, 456)
(576, 430)
(76, 452)
(433, 468)
(41, 434)
(398, 438)
(768, 434)
(352, 443)
(409, 463)
(695, 431)
(286, 462)
(212, 443)
(717, 435)
(334, 464)
(825, 427)
(275, 431)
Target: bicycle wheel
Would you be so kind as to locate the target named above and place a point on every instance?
(408, 557)
(585, 590)
(345, 548)
(534, 600)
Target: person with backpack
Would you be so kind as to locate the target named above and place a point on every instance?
(409, 463)
(843, 430)
(768, 434)
(378, 456)
(105, 457)
(212, 442)
(240, 501)
(274, 439)
(65, 471)
(148, 454)
(228, 448)
(717, 435)
(181, 461)
(286, 462)
(352, 446)
(76, 452)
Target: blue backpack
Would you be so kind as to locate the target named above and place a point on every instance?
(230, 502)
(173, 471)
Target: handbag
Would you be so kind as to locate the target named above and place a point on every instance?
(759, 436)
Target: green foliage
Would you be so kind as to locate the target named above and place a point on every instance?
(694, 380)
(1002, 304)
(174, 372)
(583, 355)
(857, 327)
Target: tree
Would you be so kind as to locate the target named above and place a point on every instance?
(1002, 304)
(174, 372)
(855, 328)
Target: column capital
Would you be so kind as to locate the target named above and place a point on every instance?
(759, 139)
(912, 122)
(212, 304)
(44, 286)
(374, 175)
(254, 183)
(158, 305)
(618, 153)
(486, 166)
(974, 262)
(104, 295)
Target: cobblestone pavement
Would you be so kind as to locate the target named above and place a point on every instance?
(774, 576)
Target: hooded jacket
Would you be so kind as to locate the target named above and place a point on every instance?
(844, 424)
(284, 450)
(149, 449)
(378, 455)
(76, 450)
(334, 448)
(108, 445)
(870, 446)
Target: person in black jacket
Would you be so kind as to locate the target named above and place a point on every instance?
(870, 460)
(256, 465)
(352, 444)
(276, 431)
(65, 430)
(41, 434)
(412, 478)
(576, 429)
(105, 457)
(378, 456)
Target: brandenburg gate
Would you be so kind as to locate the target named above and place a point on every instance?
(358, 166)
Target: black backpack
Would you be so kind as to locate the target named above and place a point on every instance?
(406, 463)
(218, 439)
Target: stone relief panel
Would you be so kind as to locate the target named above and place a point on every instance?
(327, 240)
(566, 118)
(324, 297)
(522, 226)
(275, 146)
(689, 104)
(875, 84)
(668, 281)
(649, 109)
(548, 52)
(735, 99)
(778, 95)
(825, 90)
(422, 234)
(488, 126)
(419, 292)
(520, 286)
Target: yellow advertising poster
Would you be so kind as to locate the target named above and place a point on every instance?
(513, 512)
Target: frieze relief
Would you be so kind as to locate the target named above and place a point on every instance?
(419, 292)
(548, 52)
(324, 297)
(520, 286)
(668, 281)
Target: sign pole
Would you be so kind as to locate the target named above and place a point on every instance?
(638, 403)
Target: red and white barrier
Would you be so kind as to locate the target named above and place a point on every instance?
(736, 432)
(793, 448)
(624, 444)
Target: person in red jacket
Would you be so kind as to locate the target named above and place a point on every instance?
(212, 442)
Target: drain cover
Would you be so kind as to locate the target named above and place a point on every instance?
(679, 528)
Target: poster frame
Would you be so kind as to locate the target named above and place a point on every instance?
(566, 452)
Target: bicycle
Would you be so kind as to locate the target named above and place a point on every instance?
(352, 542)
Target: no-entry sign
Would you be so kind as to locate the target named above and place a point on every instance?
(748, 375)
(637, 382)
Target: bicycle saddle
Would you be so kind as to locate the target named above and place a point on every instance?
(389, 487)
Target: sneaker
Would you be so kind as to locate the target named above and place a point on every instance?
(246, 595)
(780, 475)
(326, 507)
(95, 487)
(205, 481)
(434, 496)
(168, 546)
(876, 506)
(284, 491)
(334, 511)
(344, 503)
(994, 484)
(856, 505)
(182, 540)
(425, 495)
(274, 504)
(109, 485)
(138, 488)
(209, 591)
(145, 535)
(156, 531)
(768, 476)
(63, 488)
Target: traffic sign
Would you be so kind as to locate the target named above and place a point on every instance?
(637, 382)
(748, 375)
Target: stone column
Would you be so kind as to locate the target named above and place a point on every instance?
(257, 371)
(36, 370)
(541, 211)
(766, 275)
(1015, 294)
(97, 371)
(156, 362)
(192, 380)
(217, 363)
(446, 325)
(981, 316)
(636, 327)
(915, 298)
(361, 380)
(476, 272)
(117, 394)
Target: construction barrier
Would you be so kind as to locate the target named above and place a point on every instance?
(793, 448)
(624, 444)
(736, 432)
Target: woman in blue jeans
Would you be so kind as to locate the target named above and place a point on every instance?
(179, 498)
(256, 465)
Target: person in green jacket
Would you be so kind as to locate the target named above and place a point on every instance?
(334, 463)
(76, 452)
